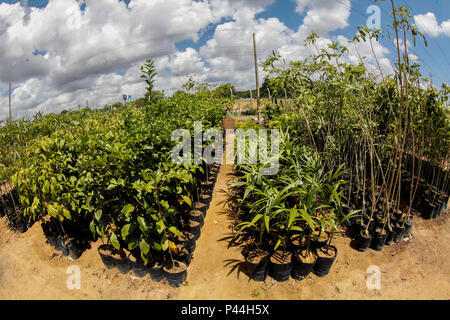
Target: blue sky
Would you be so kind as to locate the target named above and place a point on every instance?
(435, 58)
(59, 61)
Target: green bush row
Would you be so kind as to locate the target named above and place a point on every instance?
(111, 173)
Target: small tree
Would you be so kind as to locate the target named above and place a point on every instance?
(189, 85)
(149, 74)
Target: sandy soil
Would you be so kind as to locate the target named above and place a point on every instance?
(417, 269)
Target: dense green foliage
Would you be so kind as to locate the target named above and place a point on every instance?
(109, 173)
(16, 136)
(303, 198)
(379, 137)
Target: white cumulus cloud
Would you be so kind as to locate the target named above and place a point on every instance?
(61, 56)
(428, 25)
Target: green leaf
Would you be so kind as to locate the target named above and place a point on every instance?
(125, 231)
(238, 184)
(98, 215)
(145, 249)
(164, 243)
(66, 214)
(161, 227)
(92, 227)
(46, 187)
(266, 222)
(52, 210)
(144, 246)
(128, 209)
(175, 231)
(111, 186)
(101, 231)
(277, 244)
(115, 241)
(187, 200)
(132, 245)
(292, 215)
(307, 218)
(247, 191)
(142, 224)
(256, 219)
(296, 228)
(156, 246)
(87, 207)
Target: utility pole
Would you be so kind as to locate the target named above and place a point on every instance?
(257, 75)
(10, 112)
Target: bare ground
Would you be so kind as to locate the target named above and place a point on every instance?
(416, 269)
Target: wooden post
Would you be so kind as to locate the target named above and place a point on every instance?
(10, 111)
(257, 75)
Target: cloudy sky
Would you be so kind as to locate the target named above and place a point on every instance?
(62, 53)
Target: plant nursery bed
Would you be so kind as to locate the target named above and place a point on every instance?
(416, 269)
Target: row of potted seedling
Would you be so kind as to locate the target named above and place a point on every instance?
(378, 228)
(68, 241)
(9, 208)
(429, 201)
(374, 234)
(302, 257)
(175, 268)
(74, 243)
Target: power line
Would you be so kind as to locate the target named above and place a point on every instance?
(350, 8)
(12, 7)
(425, 65)
(422, 60)
(426, 51)
(429, 69)
(437, 43)
(130, 44)
(236, 30)
(226, 47)
(21, 19)
(155, 38)
(388, 13)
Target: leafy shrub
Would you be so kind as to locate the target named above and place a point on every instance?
(112, 174)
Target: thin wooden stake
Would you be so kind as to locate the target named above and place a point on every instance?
(10, 111)
(257, 75)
